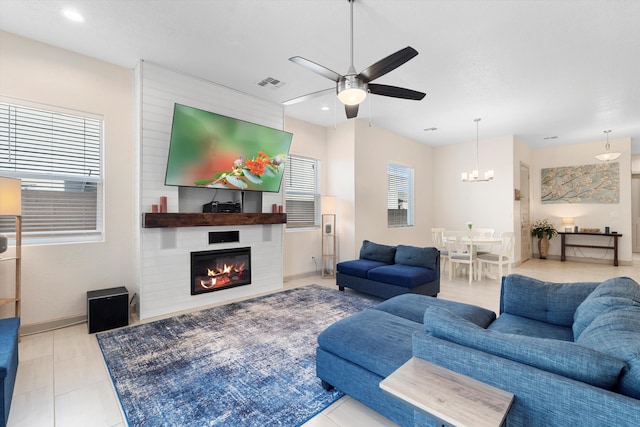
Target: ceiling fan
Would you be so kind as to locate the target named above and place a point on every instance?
(352, 87)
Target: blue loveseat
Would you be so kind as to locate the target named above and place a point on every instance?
(569, 352)
(386, 271)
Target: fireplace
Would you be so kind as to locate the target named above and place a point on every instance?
(220, 269)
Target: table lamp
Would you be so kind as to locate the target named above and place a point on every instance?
(568, 224)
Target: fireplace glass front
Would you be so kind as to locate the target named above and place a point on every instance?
(220, 269)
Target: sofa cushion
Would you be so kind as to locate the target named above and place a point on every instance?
(377, 252)
(358, 267)
(406, 276)
(591, 308)
(564, 358)
(547, 302)
(621, 287)
(417, 257)
(375, 340)
(413, 306)
(512, 324)
(618, 333)
(608, 296)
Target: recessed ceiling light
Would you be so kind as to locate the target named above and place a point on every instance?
(430, 129)
(324, 108)
(550, 137)
(73, 15)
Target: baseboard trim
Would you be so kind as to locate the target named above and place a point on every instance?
(300, 276)
(36, 328)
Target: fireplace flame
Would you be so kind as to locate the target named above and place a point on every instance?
(221, 276)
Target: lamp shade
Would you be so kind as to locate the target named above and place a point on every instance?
(328, 205)
(568, 221)
(10, 196)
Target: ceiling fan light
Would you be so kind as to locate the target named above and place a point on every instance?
(352, 96)
(351, 90)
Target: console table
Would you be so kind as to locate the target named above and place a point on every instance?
(563, 238)
(452, 398)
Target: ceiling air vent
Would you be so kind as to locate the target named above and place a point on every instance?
(271, 83)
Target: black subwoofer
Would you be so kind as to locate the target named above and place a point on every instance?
(107, 309)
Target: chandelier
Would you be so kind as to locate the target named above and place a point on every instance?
(474, 175)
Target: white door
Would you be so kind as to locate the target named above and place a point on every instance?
(635, 212)
(525, 226)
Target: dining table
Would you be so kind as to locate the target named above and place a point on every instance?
(474, 242)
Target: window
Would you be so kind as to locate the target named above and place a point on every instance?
(302, 193)
(58, 157)
(399, 196)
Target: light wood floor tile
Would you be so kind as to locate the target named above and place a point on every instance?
(94, 406)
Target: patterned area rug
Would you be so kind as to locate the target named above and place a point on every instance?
(249, 363)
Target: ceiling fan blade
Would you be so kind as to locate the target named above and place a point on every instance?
(396, 92)
(387, 64)
(351, 110)
(316, 68)
(309, 96)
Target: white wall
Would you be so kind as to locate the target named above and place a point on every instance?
(375, 148)
(340, 178)
(593, 215)
(485, 204)
(55, 278)
(301, 245)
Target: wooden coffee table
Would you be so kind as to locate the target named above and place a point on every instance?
(452, 398)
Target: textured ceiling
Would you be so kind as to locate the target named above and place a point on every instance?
(534, 69)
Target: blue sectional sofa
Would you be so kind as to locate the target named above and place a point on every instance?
(569, 352)
(9, 329)
(386, 271)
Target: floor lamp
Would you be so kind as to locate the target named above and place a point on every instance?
(11, 205)
(328, 236)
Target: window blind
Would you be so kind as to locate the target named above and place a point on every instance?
(399, 196)
(58, 158)
(301, 192)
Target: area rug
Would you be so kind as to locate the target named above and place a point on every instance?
(250, 363)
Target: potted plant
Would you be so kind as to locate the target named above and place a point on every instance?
(543, 230)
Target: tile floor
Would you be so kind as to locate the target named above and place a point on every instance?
(62, 380)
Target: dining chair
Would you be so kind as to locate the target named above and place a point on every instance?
(503, 257)
(437, 236)
(484, 233)
(460, 251)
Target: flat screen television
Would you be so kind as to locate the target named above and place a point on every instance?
(210, 150)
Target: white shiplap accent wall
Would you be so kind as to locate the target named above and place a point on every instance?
(164, 274)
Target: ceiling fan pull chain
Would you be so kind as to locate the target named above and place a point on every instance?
(369, 111)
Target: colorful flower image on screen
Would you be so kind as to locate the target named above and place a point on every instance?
(216, 151)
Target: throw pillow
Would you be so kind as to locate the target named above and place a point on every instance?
(417, 257)
(563, 358)
(377, 252)
(594, 307)
(617, 333)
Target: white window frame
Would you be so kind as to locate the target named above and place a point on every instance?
(80, 183)
(400, 196)
(293, 194)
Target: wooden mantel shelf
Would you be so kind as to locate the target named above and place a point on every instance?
(162, 220)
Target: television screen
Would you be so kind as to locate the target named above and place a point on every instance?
(213, 151)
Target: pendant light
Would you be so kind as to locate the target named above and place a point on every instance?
(608, 155)
(474, 176)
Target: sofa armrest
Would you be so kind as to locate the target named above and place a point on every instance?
(541, 398)
(548, 302)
